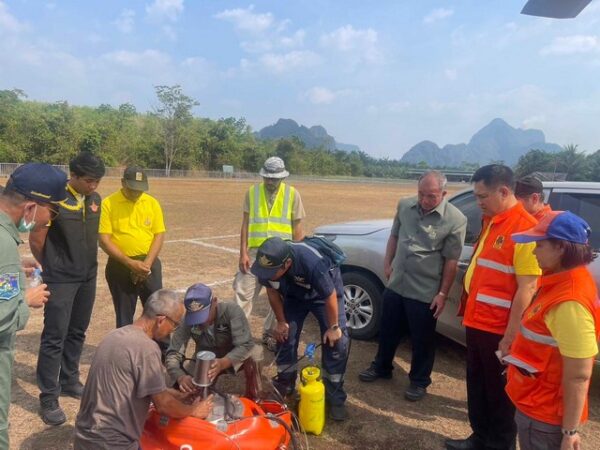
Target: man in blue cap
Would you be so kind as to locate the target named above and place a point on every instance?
(219, 327)
(68, 251)
(31, 187)
(300, 280)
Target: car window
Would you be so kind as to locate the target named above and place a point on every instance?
(586, 206)
(468, 205)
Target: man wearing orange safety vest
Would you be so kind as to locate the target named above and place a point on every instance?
(530, 192)
(271, 208)
(499, 284)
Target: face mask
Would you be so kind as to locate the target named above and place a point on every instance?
(25, 227)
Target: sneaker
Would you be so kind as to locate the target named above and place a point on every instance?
(414, 393)
(73, 390)
(371, 374)
(270, 342)
(338, 412)
(52, 414)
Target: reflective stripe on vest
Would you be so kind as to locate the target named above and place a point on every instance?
(503, 303)
(520, 363)
(537, 337)
(495, 265)
(262, 223)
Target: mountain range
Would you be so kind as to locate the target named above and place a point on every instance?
(497, 141)
(313, 137)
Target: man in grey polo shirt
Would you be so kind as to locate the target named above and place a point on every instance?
(420, 263)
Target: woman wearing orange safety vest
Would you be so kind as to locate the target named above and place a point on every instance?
(551, 359)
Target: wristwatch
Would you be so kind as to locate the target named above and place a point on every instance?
(572, 432)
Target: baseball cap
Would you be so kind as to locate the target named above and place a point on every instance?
(197, 302)
(274, 167)
(270, 257)
(528, 185)
(563, 225)
(135, 178)
(39, 182)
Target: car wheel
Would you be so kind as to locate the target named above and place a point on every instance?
(363, 299)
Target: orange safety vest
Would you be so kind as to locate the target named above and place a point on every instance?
(494, 284)
(542, 212)
(535, 371)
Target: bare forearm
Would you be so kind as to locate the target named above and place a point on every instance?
(390, 250)
(448, 274)
(331, 309)
(297, 230)
(520, 302)
(155, 248)
(37, 239)
(244, 236)
(112, 250)
(575, 384)
(276, 303)
(172, 407)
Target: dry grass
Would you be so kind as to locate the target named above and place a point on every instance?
(380, 417)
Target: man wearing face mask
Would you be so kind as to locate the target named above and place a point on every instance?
(68, 251)
(131, 232)
(271, 208)
(218, 327)
(30, 186)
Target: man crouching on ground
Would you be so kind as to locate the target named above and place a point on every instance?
(126, 375)
(221, 328)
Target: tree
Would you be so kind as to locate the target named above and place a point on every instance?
(175, 114)
(571, 162)
(535, 160)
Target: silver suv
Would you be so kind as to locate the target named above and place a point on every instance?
(364, 243)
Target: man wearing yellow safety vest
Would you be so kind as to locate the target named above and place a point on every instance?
(271, 208)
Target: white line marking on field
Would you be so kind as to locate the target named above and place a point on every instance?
(214, 283)
(217, 247)
(225, 236)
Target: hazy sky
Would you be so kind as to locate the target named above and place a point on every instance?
(383, 75)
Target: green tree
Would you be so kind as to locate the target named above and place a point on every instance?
(572, 162)
(535, 160)
(175, 114)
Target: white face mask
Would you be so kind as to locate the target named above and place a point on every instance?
(25, 227)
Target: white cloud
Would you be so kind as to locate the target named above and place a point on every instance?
(451, 74)
(165, 10)
(320, 96)
(8, 22)
(126, 21)
(347, 39)
(295, 40)
(140, 60)
(569, 45)
(437, 14)
(279, 63)
(246, 20)
(534, 121)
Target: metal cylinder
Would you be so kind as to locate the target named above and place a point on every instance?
(204, 360)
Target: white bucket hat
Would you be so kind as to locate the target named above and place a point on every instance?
(274, 167)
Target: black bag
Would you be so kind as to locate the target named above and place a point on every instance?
(326, 248)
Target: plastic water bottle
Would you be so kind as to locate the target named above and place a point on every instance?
(36, 278)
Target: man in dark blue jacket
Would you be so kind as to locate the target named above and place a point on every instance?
(300, 280)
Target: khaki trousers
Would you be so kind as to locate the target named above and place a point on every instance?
(246, 290)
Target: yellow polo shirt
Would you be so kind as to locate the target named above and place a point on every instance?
(132, 226)
(572, 325)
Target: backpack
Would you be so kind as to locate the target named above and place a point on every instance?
(326, 248)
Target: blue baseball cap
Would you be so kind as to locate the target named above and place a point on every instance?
(270, 257)
(197, 301)
(562, 225)
(39, 182)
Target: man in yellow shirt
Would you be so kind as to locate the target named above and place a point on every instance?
(131, 232)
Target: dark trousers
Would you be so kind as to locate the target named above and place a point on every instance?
(491, 413)
(66, 319)
(334, 358)
(403, 316)
(125, 293)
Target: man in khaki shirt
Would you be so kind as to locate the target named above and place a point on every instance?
(420, 263)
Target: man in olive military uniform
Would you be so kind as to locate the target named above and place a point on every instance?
(31, 187)
(68, 251)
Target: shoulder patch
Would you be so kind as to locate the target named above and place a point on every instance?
(9, 286)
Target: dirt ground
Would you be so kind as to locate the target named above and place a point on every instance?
(203, 219)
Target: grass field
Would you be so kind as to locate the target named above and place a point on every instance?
(203, 218)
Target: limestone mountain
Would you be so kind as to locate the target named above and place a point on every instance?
(497, 141)
(313, 137)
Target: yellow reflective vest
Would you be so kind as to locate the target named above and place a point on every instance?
(263, 223)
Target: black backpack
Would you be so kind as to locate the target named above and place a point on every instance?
(326, 248)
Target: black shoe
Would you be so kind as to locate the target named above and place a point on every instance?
(470, 443)
(371, 374)
(414, 393)
(338, 413)
(73, 390)
(51, 413)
